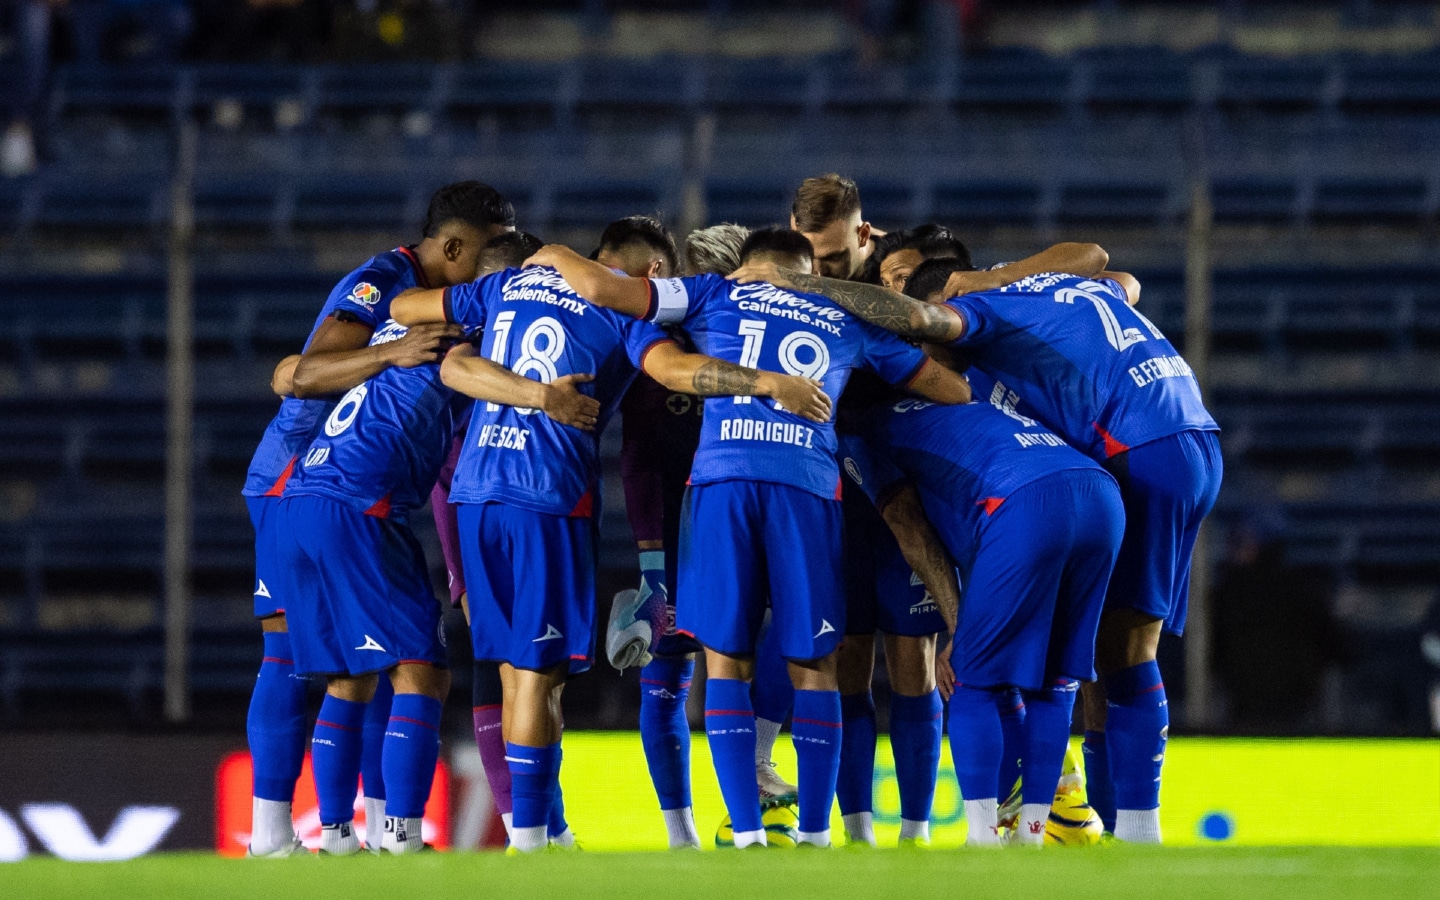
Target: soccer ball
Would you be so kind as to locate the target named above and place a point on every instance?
(782, 828)
(1072, 822)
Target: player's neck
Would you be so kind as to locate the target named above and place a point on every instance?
(430, 256)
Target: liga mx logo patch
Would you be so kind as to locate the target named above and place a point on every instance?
(365, 294)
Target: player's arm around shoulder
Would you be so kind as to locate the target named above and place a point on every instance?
(595, 282)
(1128, 283)
(466, 371)
(935, 382)
(705, 376)
(1071, 258)
(282, 380)
(877, 305)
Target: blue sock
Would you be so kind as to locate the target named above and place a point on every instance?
(855, 787)
(976, 741)
(412, 745)
(276, 722)
(773, 692)
(1012, 725)
(377, 717)
(816, 731)
(915, 726)
(335, 751)
(534, 780)
(1047, 731)
(664, 730)
(556, 825)
(730, 729)
(1099, 786)
(1136, 729)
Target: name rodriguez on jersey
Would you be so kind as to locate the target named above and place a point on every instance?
(774, 432)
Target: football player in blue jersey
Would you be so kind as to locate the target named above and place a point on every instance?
(1035, 527)
(338, 356)
(765, 483)
(527, 488)
(1073, 354)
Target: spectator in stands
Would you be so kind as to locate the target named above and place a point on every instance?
(1274, 629)
(29, 21)
(128, 30)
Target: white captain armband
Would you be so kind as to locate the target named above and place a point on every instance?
(669, 301)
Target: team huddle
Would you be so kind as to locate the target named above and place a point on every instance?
(828, 432)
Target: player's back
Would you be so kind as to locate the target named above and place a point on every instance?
(1088, 365)
(363, 295)
(536, 325)
(382, 446)
(761, 326)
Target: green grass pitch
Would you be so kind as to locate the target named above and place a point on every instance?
(1109, 873)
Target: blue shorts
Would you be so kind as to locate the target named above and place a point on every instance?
(264, 516)
(882, 592)
(1034, 580)
(1169, 485)
(746, 544)
(531, 581)
(358, 593)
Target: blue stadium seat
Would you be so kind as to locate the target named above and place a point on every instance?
(375, 87)
(666, 85)
(893, 89)
(16, 205)
(238, 202)
(1136, 80)
(591, 204)
(889, 205)
(1268, 86)
(258, 87)
(1118, 202)
(961, 203)
(1013, 81)
(1257, 199)
(1392, 85)
(112, 201)
(370, 202)
(763, 84)
(1291, 434)
(144, 90)
(1370, 199)
(511, 87)
(751, 202)
(93, 661)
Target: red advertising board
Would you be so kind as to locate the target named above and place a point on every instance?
(232, 807)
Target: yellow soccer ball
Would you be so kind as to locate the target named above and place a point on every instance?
(782, 828)
(1072, 822)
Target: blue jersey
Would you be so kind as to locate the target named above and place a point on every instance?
(764, 327)
(381, 448)
(968, 457)
(365, 295)
(536, 325)
(1087, 365)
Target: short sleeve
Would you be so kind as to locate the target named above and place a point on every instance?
(973, 313)
(365, 297)
(892, 358)
(875, 475)
(673, 299)
(465, 304)
(640, 337)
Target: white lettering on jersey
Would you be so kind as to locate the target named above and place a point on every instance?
(1004, 399)
(317, 456)
(774, 432)
(1152, 370)
(1043, 439)
(761, 297)
(504, 437)
(540, 285)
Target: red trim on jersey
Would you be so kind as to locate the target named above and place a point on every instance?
(413, 722)
(1112, 446)
(278, 487)
(645, 354)
(415, 262)
(991, 504)
(839, 486)
(729, 712)
(381, 509)
(654, 305)
(689, 634)
(1151, 690)
(276, 659)
(584, 508)
(485, 707)
(582, 657)
(910, 379)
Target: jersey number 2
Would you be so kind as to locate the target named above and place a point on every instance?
(1119, 336)
(540, 349)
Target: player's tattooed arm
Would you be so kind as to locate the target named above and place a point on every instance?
(283, 378)
(876, 305)
(936, 382)
(466, 371)
(1072, 258)
(705, 376)
(595, 282)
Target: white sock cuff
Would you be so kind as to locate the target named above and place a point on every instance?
(1138, 826)
(527, 840)
(909, 828)
(818, 838)
(747, 838)
(680, 826)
